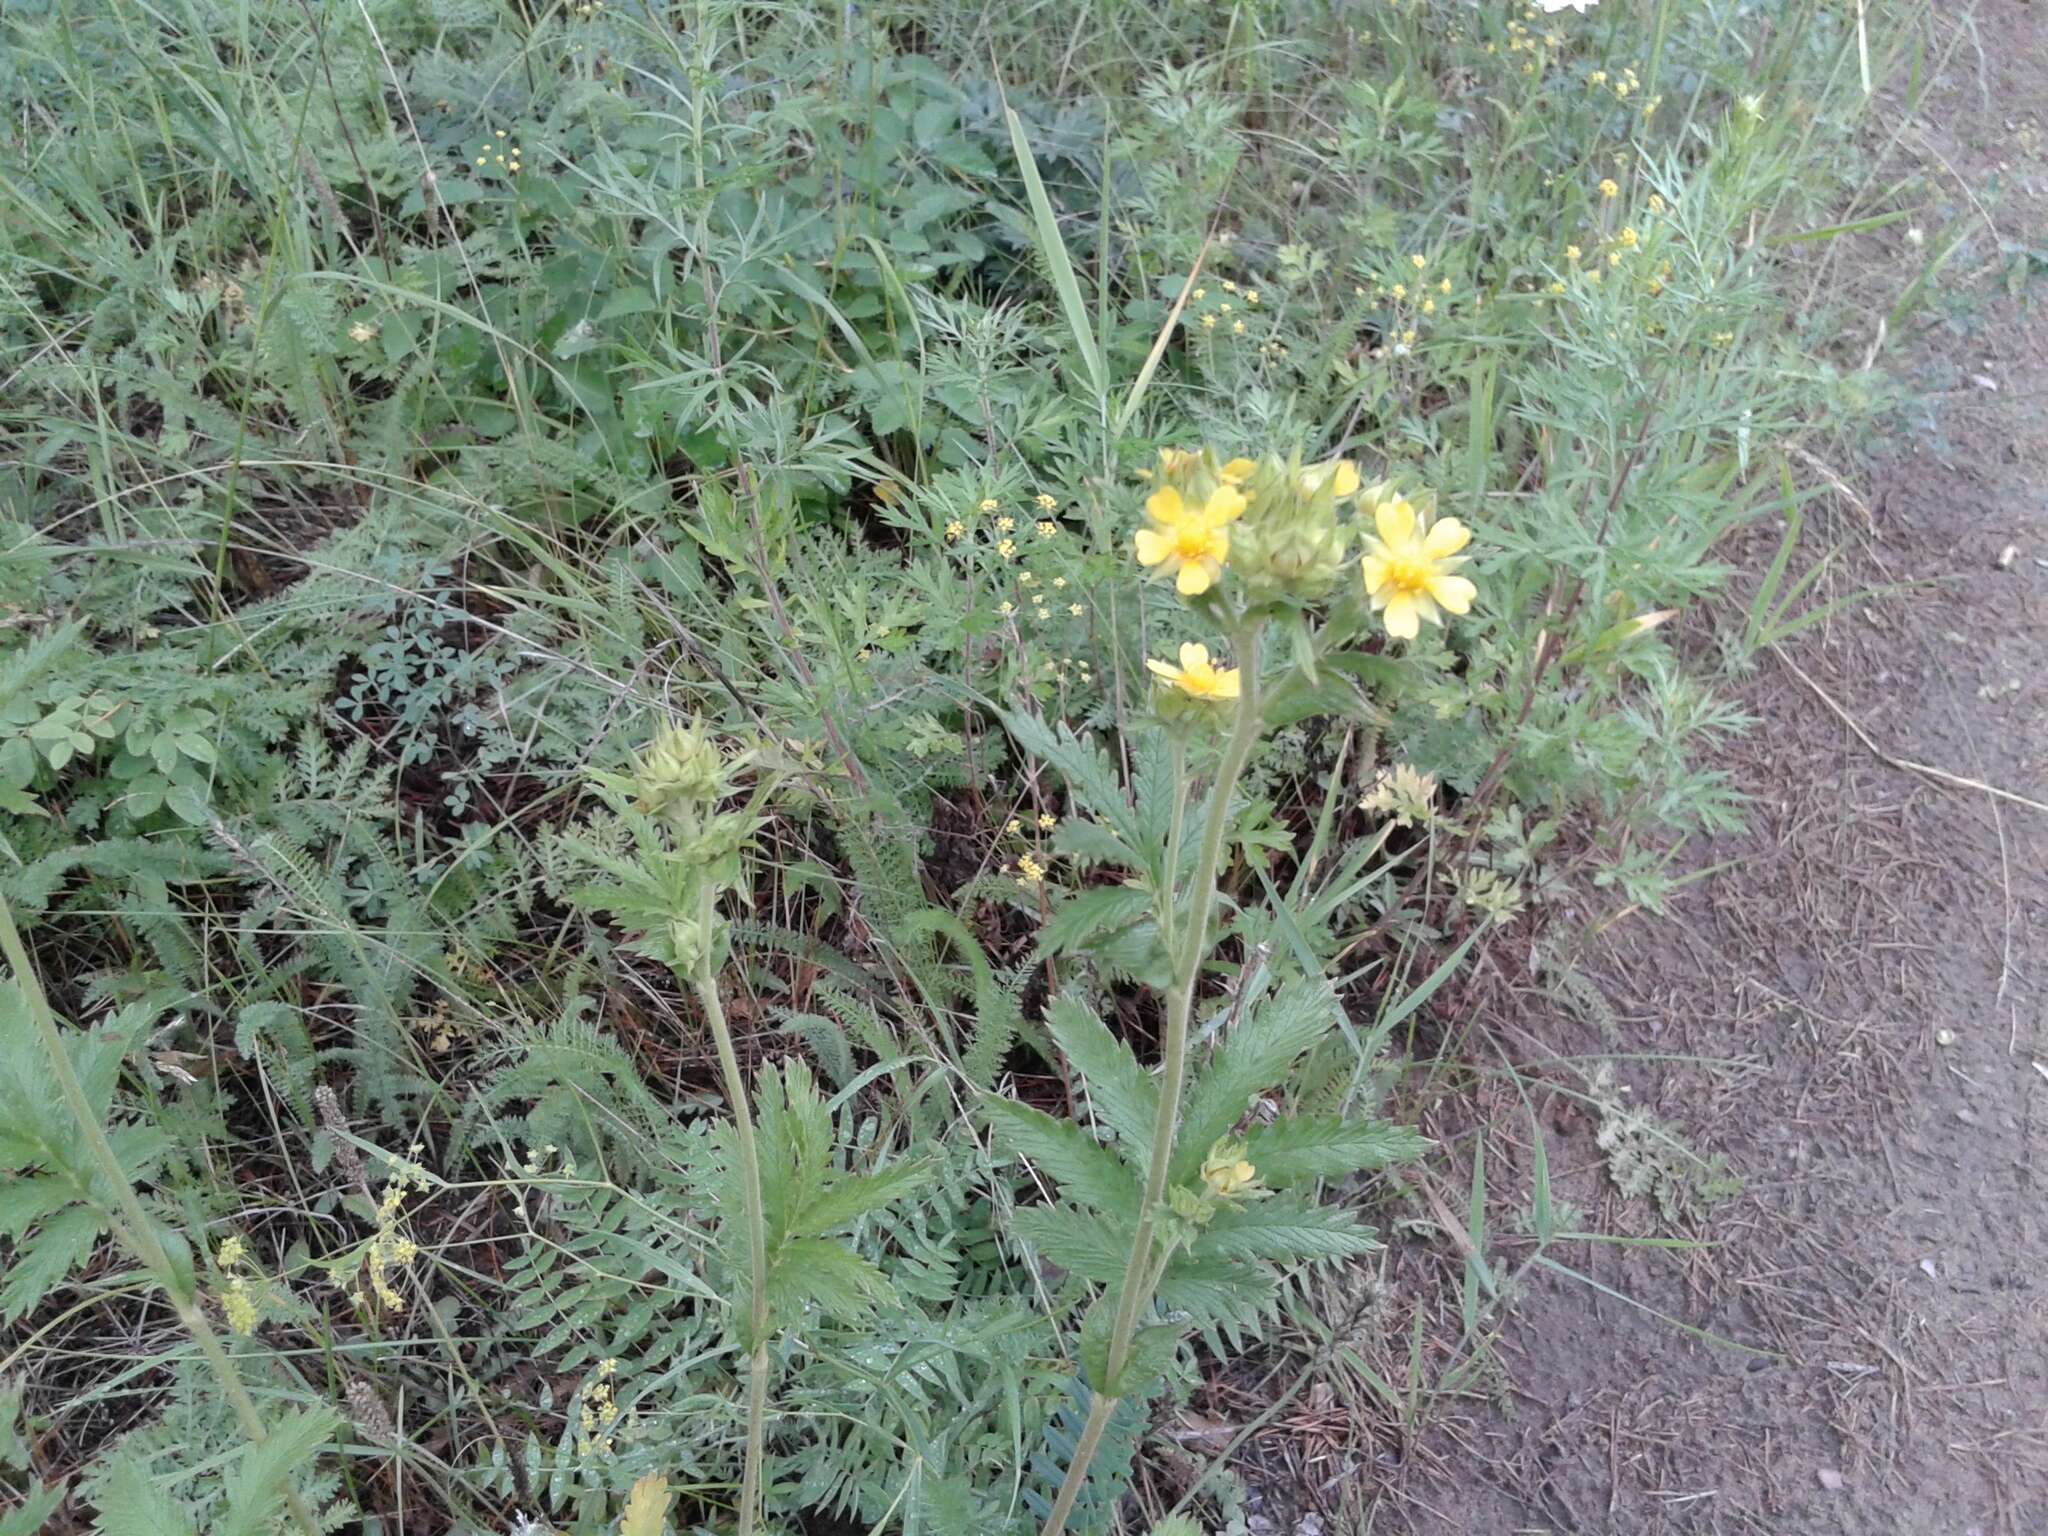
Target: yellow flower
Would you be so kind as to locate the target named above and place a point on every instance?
(1444, 286)
(1251, 295)
(1075, 609)
(1047, 821)
(1408, 568)
(1429, 306)
(1628, 235)
(232, 1252)
(1418, 261)
(1656, 203)
(954, 529)
(1400, 291)
(1228, 1173)
(1007, 549)
(1047, 503)
(1608, 188)
(360, 333)
(1208, 322)
(1201, 293)
(1047, 529)
(1003, 524)
(1237, 327)
(1237, 471)
(1030, 872)
(1572, 253)
(990, 504)
(1197, 676)
(1188, 543)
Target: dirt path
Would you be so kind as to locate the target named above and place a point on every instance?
(1858, 995)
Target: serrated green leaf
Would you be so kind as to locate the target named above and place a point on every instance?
(1125, 1098)
(1284, 1231)
(851, 1196)
(1088, 771)
(815, 1271)
(1148, 1360)
(257, 1486)
(130, 1504)
(1091, 1246)
(33, 1515)
(1303, 1147)
(53, 1250)
(1254, 1057)
(1081, 917)
(1083, 1167)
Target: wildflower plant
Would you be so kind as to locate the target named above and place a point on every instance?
(1168, 1185)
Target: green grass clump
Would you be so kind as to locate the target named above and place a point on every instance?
(874, 1103)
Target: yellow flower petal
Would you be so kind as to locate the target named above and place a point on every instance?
(1374, 568)
(1445, 538)
(1165, 506)
(1454, 592)
(1239, 470)
(1225, 686)
(1347, 478)
(1163, 669)
(1152, 546)
(1226, 504)
(1401, 617)
(1196, 577)
(1396, 522)
(1193, 656)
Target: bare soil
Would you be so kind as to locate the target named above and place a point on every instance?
(1847, 1011)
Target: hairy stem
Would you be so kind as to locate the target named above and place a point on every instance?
(131, 1223)
(705, 983)
(1141, 1278)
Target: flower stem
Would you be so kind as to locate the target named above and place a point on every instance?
(130, 1221)
(705, 982)
(1141, 1278)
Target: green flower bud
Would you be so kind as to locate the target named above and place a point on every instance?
(682, 767)
(1291, 542)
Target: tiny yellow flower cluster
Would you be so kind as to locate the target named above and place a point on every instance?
(1225, 310)
(390, 1250)
(598, 1419)
(240, 1302)
(501, 154)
